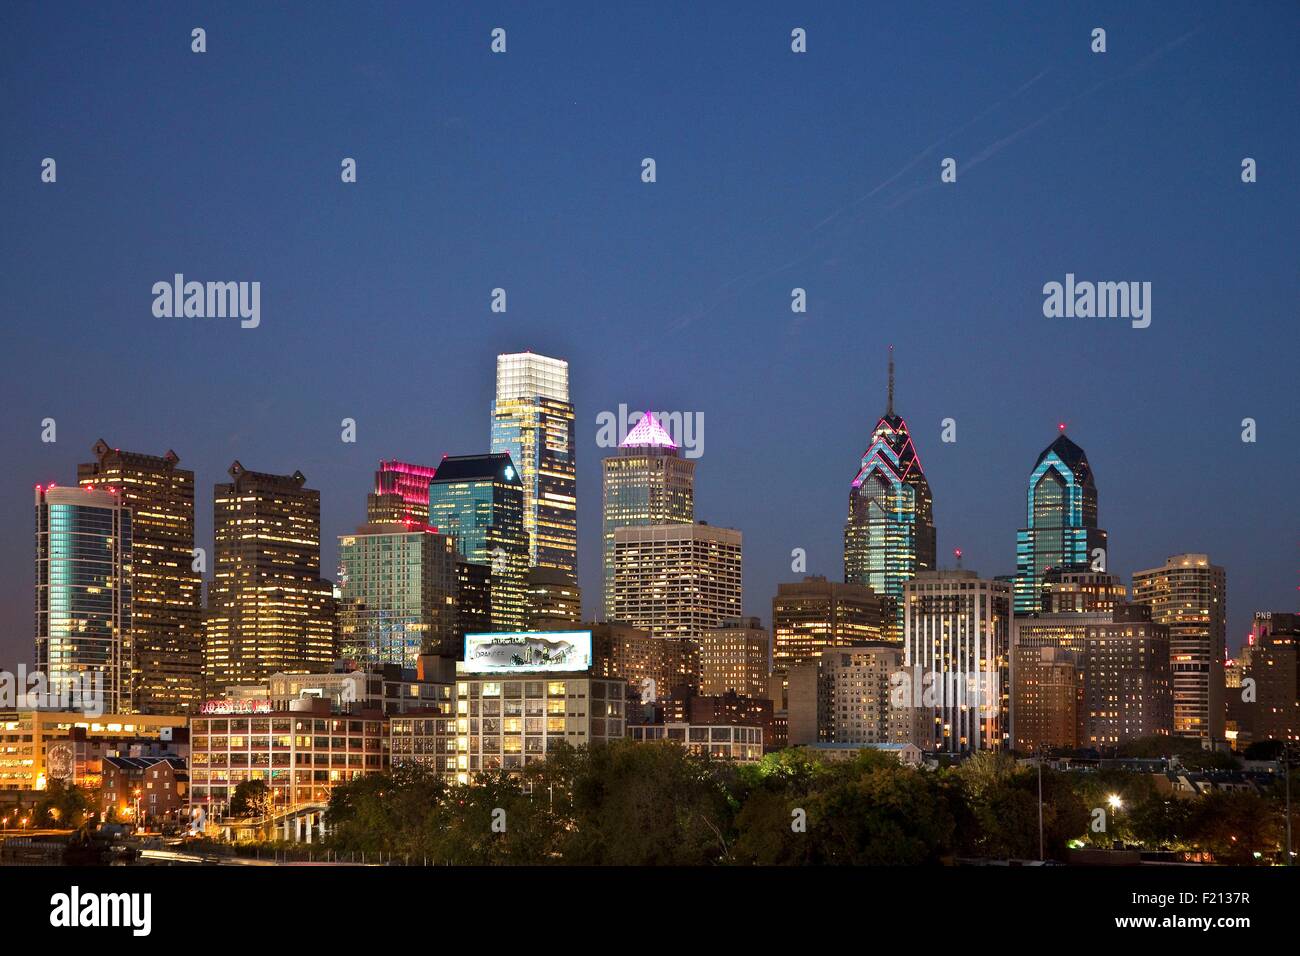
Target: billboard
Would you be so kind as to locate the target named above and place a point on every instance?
(527, 652)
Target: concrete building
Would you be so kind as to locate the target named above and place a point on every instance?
(41, 746)
(736, 657)
(814, 615)
(727, 742)
(677, 580)
(845, 697)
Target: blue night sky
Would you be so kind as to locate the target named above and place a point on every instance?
(775, 170)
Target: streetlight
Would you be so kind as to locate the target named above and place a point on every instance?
(1115, 802)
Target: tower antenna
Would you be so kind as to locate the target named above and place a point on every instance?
(889, 410)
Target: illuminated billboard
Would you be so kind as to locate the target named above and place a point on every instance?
(527, 652)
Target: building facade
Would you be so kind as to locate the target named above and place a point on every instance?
(532, 422)
(1061, 532)
(478, 500)
(1275, 668)
(84, 603)
(1189, 595)
(401, 493)
(398, 587)
(554, 600)
(647, 482)
(269, 609)
(166, 591)
(677, 580)
(814, 615)
(845, 696)
(736, 657)
(957, 641)
(889, 536)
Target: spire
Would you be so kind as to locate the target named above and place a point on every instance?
(889, 410)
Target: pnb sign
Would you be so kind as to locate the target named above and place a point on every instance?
(527, 652)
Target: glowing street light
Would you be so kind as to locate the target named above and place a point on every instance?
(1115, 802)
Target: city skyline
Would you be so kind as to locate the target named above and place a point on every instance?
(676, 294)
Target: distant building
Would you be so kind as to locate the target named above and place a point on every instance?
(268, 607)
(532, 422)
(677, 580)
(478, 500)
(473, 599)
(166, 591)
(909, 755)
(398, 594)
(814, 615)
(735, 657)
(647, 482)
(889, 536)
(957, 643)
(84, 602)
(554, 600)
(684, 706)
(38, 747)
(1061, 532)
(401, 493)
(651, 666)
(143, 790)
(1189, 595)
(726, 742)
(1275, 667)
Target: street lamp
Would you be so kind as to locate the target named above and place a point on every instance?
(1115, 802)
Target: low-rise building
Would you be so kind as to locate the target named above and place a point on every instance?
(731, 742)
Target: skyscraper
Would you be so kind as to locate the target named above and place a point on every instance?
(401, 493)
(1189, 594)
(677, 580)
(269, 610)
(83, 593)
(1062, 532)
(478, 500)
(532, 422)
(889, 536)
(398, 584)
(647, 482)
(736, 657)
(166, 591)
(1275, 668)
(957, 637)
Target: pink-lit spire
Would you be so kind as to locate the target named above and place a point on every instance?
(648, 433)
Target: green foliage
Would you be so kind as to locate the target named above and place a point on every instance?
(63, 805)
(252, 798)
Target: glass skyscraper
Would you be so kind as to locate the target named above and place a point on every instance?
(648, 482)
(398, 585)
(83, 593)
(889, 536)
(532, 422)
(478, 501)
(1062, 532)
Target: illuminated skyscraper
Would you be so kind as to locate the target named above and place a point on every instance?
(889, 536)
(1189, 594)
(269, 610)
(478, 501)
(398, 584)
(816, 615)
(647, 482)
(166, 591)
(677, 580)
(532, 422)
(957, 635)
(1062, 532)
(83, 593)
(401, 493)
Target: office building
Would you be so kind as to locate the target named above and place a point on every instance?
(1275, 668)
(1188, 594)
(84, 630)
(478, 500)
(38, 747)
(735, 657)
(269, 609)
(401, 493)
(1061, 532)
(677, 580)
(648, 482)
(889, 536)
(554, 600)
(166, 590)
(814, 615)
(398, 587)
(844, 696)
(532, 422)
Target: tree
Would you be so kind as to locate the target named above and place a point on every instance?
(252, 798)
(63, 805)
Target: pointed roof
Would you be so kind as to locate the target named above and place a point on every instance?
(648, 433)
(1071, 454)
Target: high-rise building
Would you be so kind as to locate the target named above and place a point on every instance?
(1061, 532)
(1189, 595)
(1066, 592)
(889, 536)
(398, 587)
(957, 639)
(1275, 668)
(532, 422)
(478, 500)
(554, 600)
(814, 615)
(677, 580)
(652, 666)
(166, 591)
(736, 657)
(269, 610)
(1095, 677)
(84, 631)
(401, 493)
(473, 600)
(647, 482)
